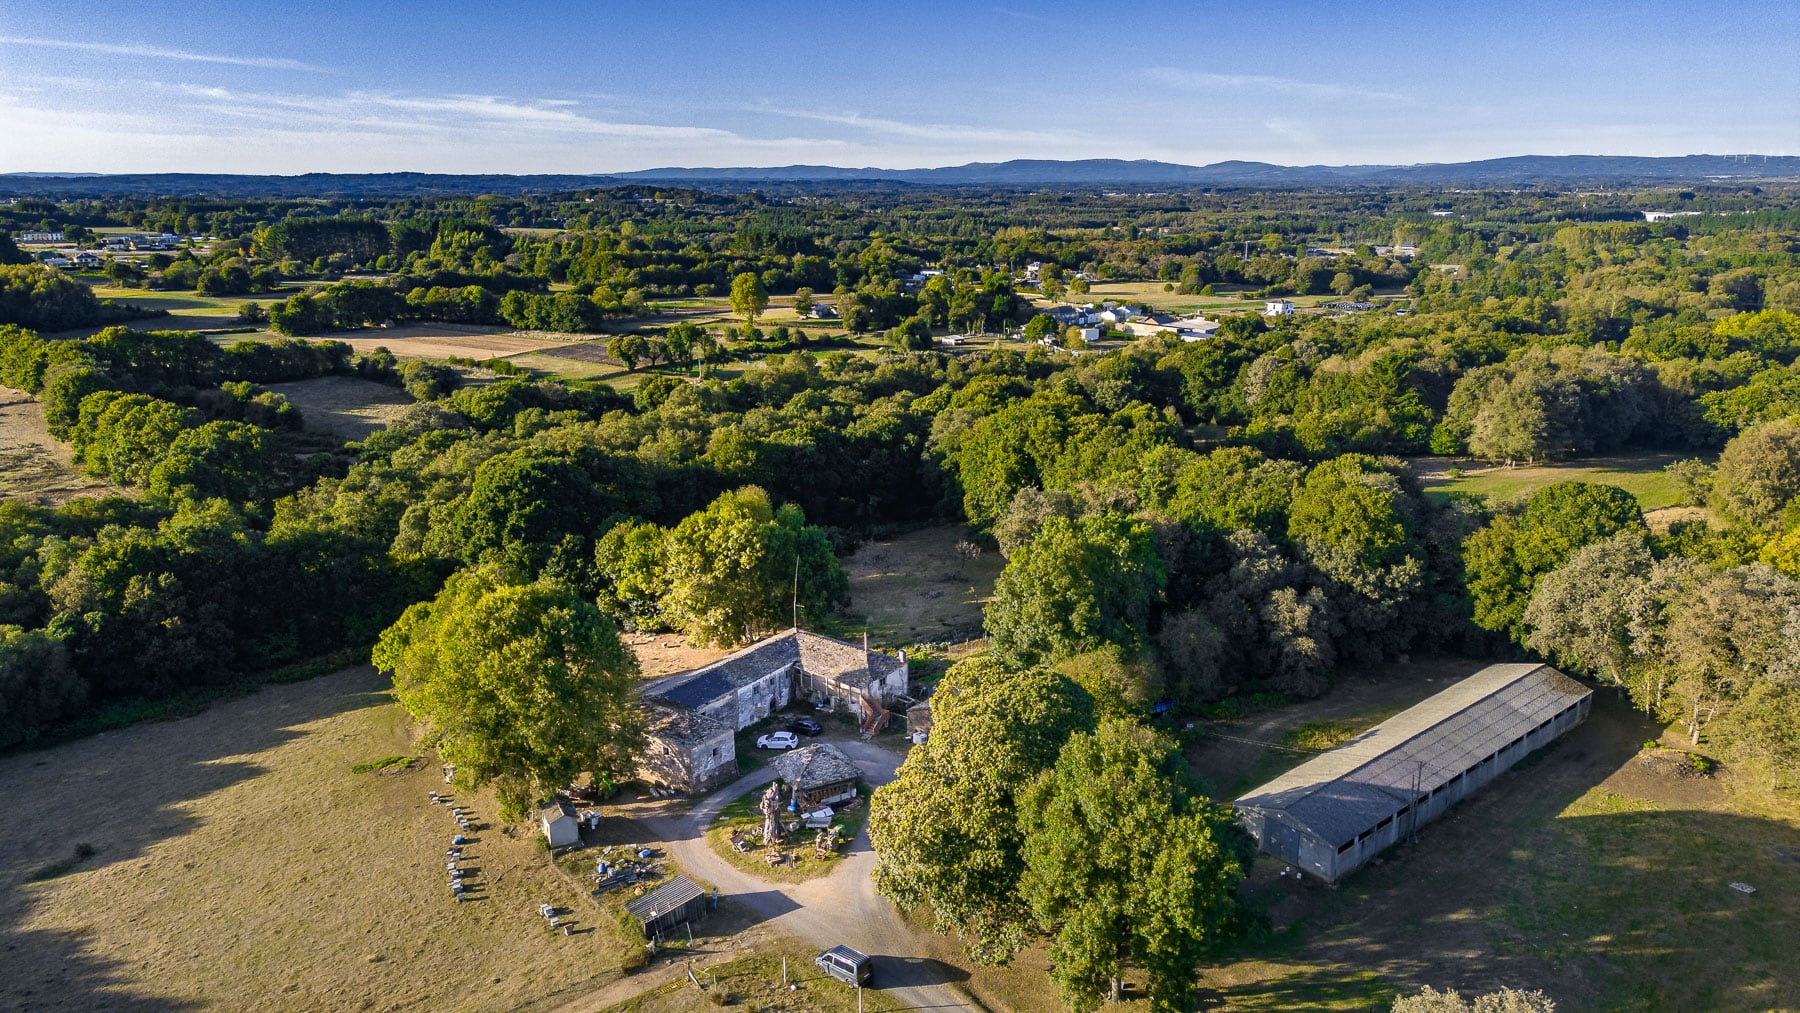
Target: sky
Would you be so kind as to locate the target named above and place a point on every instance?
(447, 86)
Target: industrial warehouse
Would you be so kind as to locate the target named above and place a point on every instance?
(1336, 811)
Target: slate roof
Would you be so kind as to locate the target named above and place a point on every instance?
(1343, 792)
(680, 725)
(556, 809)
(815, 766)
(663, 899)
(817, 656)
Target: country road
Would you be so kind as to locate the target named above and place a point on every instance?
(839, 908)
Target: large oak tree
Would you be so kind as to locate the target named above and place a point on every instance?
(521, 685)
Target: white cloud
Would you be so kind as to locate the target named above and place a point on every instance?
(160, 53)
(1291, 132)
(950, 132)
(139, 126)
(1197, 80)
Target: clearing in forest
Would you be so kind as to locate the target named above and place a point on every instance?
(35, 467)
(1642, 475)
(920, 587)
(441, 341)
(347, 407)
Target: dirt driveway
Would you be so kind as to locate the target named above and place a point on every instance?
(840, 908)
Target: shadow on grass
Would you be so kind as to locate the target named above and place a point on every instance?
(130, 800)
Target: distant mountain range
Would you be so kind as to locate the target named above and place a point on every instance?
(1517, 171)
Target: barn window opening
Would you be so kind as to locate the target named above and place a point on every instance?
(1346, 846)
(1384, 823)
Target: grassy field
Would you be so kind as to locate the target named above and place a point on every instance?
(743, 814)
(1590, 871)
(1641, 475)
(754, 982)
(345, 406)
(234, 860)
(34, 467)
(1225, 300)
(917, 588)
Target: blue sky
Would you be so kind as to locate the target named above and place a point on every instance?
(146, 85)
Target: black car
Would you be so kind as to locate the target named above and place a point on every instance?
(805, 726)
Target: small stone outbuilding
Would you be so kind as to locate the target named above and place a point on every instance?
(818, 775)
(684, 750)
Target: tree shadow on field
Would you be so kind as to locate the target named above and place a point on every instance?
(109, 798)
(1618, 902)
(912, 972)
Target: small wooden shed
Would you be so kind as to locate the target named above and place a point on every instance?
(561, 826)
(669, 905)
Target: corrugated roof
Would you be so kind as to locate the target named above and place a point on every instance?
(663, 899)
(816, 766)
(817, 656)
(1341, 793)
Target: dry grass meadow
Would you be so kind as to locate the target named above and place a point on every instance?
(237, 862)
(441, 341)
(917, 588)
(347, 407)
(34, 467)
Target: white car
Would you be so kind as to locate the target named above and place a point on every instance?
(778, 740)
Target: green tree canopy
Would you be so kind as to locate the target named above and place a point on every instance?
(946, 830)
(748, 297)
(724, 573)
(1503, 561)
(522, 686)
(529, 509)
(1079, 585)
(1757, 481)
(1124, 866)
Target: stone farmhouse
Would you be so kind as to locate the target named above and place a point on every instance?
(693, 716)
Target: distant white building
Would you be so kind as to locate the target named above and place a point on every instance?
(951, 339)
(1195, 328)
(1090, 334)
(1278, 308)
(1663, 216)
(39, 237)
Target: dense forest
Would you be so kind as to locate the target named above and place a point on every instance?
(1189, 524)
(1227, 516)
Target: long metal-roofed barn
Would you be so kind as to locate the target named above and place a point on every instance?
(1339, 809)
